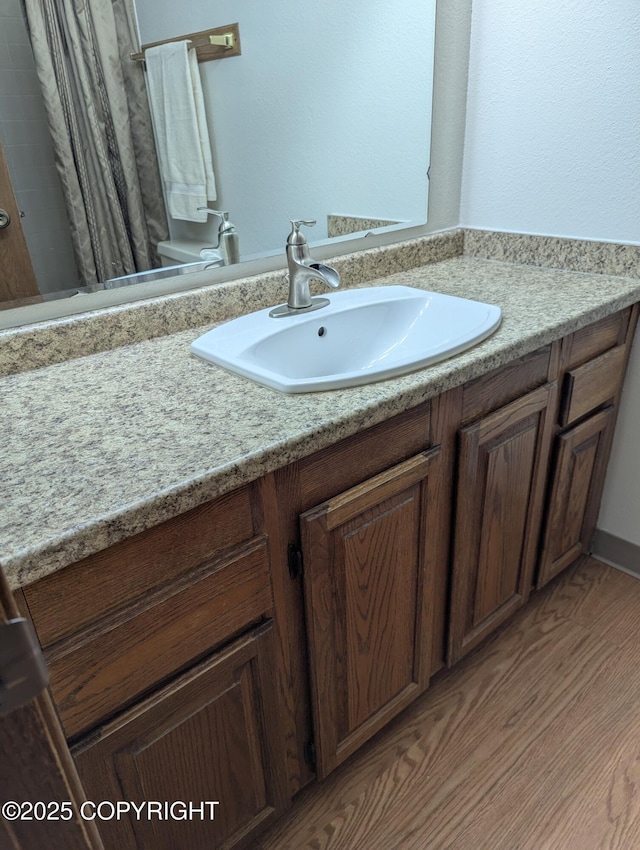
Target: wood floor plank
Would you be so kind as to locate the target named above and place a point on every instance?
(600, 597)
(530, 743)
(562, 789)
(508, 732)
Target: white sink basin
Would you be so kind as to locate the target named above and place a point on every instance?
(362, 336)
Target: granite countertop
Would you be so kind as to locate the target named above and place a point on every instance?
(101, 447)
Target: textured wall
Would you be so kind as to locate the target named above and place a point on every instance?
(553, 146)
(553, 119)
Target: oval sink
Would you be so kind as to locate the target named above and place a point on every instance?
(363, 335)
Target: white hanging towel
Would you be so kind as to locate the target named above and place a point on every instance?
(182, 137)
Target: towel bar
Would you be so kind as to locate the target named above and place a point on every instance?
(214, 43)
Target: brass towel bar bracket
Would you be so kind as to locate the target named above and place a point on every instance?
(216, 43)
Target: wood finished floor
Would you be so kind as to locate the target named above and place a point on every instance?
(530, 743)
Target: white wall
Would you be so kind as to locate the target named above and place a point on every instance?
(315, 116)
(620, 510)
(552, 146)
(553, 119)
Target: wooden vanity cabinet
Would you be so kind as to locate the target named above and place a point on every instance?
(530, 472)
(369, 518)
(581, 455)
(211, 738)
(592, 366)
(165, 669)
(368, 600)
(502, 468)
(238, 651)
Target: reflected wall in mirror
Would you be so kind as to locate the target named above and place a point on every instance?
(326, 114)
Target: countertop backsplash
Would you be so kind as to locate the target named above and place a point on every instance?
(46, 343)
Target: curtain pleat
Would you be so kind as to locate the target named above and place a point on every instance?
(102, 135)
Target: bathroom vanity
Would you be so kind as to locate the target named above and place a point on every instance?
(265, 610)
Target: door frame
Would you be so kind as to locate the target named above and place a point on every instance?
(17, 277)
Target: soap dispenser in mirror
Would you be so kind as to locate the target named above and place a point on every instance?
(228, 241)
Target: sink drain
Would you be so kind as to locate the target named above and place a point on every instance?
(322, 331)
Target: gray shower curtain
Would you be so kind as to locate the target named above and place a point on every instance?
(100, 124)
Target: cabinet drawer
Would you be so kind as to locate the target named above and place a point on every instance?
(588, 386)
(506, 384)
(113, 661)
(595, 339)
(82, 593)
(357, 458)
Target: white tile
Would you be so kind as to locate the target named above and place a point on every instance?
(9, 105)
(41, 210)
(21, 56)
(10, 8)
(26, 82)
(32, 133)
(6, 62)
(27, 156)
(57, 238)
(13, 132)
(8, 82)
(18, 107)
(55, 268)
(41, 178)
(15, 31)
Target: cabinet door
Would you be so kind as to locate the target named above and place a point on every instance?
(211, 736)
(367, 577)
(576, 486)
(501, 475)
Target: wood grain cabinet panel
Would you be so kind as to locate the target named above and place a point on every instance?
(368, 575)
(592, 384)
(502, 471)
(576, 485)
(102, 584)
(100, 671)
(211, 736)
(506, 384)
(592, 367)
(595, 339)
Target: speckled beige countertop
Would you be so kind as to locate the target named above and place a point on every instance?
(100, 447)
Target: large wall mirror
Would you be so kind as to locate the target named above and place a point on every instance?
(325, 115)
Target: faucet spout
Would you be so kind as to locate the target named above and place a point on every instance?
(301, 273)
(328, 274)
(302, 270)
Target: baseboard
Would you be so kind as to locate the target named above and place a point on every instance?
(615, 551)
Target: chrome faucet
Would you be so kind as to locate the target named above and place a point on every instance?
(302, 270)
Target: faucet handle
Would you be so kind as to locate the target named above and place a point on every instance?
(295, 237)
